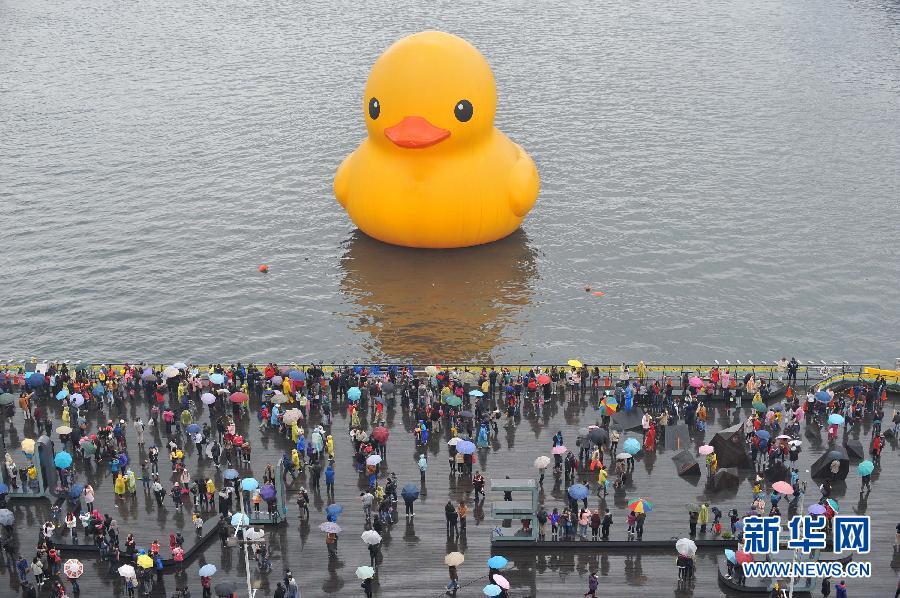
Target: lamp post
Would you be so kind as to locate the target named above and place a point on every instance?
(794, 557)
(250, 591)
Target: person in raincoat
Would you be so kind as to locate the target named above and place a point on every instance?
(329, 446)
(483, 436)
(423, 466)
(354, 418)
(703, 517)
(295, 432)
(119, 486)
(301, 445)
(131, 481)
(186, 418)
(274, 415)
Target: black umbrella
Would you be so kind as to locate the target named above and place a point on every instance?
(226, 589)
(598, 435)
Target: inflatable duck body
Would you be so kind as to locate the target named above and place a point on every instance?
(433, 171)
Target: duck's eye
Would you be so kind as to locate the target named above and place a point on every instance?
(463, 110)
(374, 108)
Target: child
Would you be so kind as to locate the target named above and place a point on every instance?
(198, 522)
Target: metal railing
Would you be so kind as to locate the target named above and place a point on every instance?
(809, 372)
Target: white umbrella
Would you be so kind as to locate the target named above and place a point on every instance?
(373, 460)
(208, 398)
(292, 416)
(454, 441)
(254, 534)
(624, 456)
(371, 537)
(170, 372)
(278, 398)
(431, 370)
(686, 546)
(126, 571)
(365, 572)
(454, 559)
(542, 462)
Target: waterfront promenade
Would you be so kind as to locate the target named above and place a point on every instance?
(413, 549)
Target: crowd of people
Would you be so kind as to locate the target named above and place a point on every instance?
(468, 406)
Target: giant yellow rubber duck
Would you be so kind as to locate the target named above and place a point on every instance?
(433, 171)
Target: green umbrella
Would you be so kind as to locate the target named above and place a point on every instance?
(453, 401)
(761, 407)
(7, 399)
(692, 507)
(865, 468)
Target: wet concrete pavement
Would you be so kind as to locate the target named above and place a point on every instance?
(413, 549)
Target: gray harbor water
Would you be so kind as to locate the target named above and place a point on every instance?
(725, 173)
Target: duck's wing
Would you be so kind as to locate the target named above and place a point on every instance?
(524, 184)
(342, 181)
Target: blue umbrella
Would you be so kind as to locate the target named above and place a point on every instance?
(193, 428)
(249, 484)
(4, 489)
(465, 447)
(35, 380)
(62, 459)
(98, 390)
(334, 510)
(75, 491)
(62, 394)
(77, 399)
(865, 468)
(731, 556)
(476, 393)
(230, 474)
(410, 492)
(217, 378)
(497, 562)
(207, 570)
(763, 435)
(354, 393)
(239, 519)
(836, 418)
(823, 397)
(579, 491)
(632, 446)
(492, 590)
(816, 509)
(296, 375)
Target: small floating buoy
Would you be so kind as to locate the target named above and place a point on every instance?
(598, 293)
(263, 268)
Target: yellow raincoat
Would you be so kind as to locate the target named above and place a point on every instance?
(119, 486)
(295, 432)
(329, 446)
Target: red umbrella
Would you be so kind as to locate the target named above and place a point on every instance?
(543, 379)
(743, 557)
(381, 434)
(238, 397)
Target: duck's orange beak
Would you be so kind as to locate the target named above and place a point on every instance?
(414, 132)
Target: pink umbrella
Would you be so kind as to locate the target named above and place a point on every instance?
(695, 381)
(799, 413)
(707, 449)
(559, 450)
(782, 488)
(501, 581)
(725, 380)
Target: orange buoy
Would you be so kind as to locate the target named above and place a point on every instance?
(263, 268)
(598, 293)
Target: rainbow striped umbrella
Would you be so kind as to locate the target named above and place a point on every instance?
(641, 505)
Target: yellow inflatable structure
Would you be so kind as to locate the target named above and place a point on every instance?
(433, 171)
